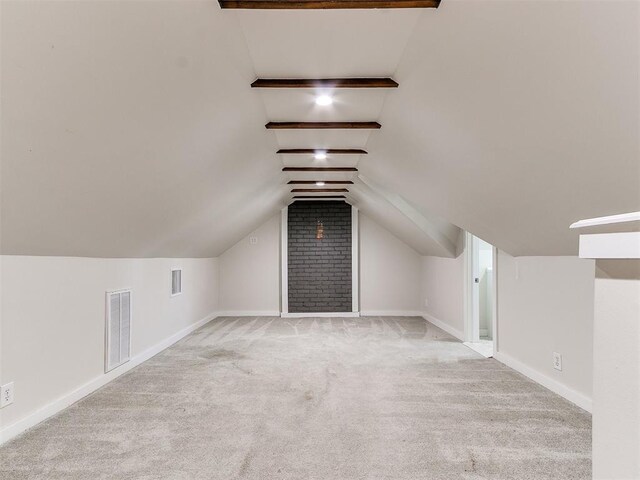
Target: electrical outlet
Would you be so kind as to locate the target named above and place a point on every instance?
(253, 240)
(6, 395)
(426, 302)
(557, 361)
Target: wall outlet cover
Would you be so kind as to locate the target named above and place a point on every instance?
(426, 302)
(557, 361)
(253, 240)
(6, 395)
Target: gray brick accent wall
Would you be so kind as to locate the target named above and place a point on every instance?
(319, 270)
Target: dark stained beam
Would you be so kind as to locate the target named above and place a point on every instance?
(319, 196)
(328, 151)
(319, 169)
(326, 4)
(325, 83)
(319, 190)
(322, 125)
(326, 182)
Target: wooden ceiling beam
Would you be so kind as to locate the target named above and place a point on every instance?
(319, 196)
(319, 190)
(322, 125)
(371, 82)
(328, 151)
(319, 169)
(326, 4)
(326, 182)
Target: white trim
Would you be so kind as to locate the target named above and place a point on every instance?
(249, 313)
(319, 198)
(444, 326)
(577, 398)
(467, 293)
(59, 404)
(474, 333)
(390, 313)
(494, 299)
(593, 222)
(355, 261)
(284, 262)
(471, 290)
(320, 314)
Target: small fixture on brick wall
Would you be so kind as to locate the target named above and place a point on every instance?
(319, 230)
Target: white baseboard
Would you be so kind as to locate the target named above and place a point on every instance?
(577, 398)
(444, 326)
(250, 313)
(390, 313)
(59, 404)
(320, 314)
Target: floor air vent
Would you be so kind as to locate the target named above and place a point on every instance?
(118, 331)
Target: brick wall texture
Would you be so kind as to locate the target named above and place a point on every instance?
(319, 270)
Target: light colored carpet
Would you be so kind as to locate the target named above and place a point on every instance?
(342, 398)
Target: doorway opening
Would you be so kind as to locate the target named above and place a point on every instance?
(480, 295)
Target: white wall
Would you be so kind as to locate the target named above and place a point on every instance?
(545, 305)
(250, 274)
(443, 289)
(616, 385)
(390, 272)
(53, 322)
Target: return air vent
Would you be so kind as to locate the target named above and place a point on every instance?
(118, 331)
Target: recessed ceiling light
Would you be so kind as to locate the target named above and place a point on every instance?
(324, 100)
(320, 156)
(319, 184)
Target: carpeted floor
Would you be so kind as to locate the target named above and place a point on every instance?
(335, 398)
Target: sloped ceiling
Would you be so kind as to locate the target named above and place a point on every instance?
(129, 128)
(515, 119)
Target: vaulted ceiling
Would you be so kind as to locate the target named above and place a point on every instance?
(130, 129)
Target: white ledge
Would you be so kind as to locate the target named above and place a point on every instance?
(594, 222)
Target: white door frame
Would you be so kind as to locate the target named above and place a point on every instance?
(355, 262)
(471, 290)
(494, 299)
(284, 262)
(470, 333)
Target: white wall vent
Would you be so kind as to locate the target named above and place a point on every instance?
(118, 331)
(176, 281)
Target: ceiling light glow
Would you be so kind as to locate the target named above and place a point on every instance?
(324, 100)
(319, 184)
(320, 156)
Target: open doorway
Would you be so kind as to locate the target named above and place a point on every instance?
(480, 295)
